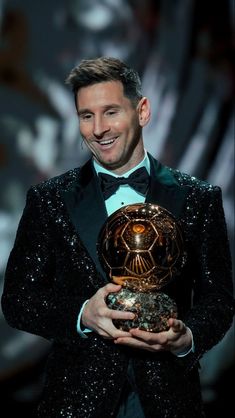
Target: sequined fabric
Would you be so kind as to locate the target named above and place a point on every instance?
(50, 273)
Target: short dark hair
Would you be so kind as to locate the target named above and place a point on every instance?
(98, 70)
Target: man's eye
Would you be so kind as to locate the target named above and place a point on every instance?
(86, 116)
(111, 112)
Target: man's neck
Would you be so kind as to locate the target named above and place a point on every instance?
(143, 163)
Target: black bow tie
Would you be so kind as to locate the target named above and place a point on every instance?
(138, 180)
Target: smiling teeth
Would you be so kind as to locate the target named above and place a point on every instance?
(109, 141)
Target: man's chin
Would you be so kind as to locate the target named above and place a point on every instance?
(109, 163)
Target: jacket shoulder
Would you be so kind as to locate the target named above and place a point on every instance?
(184, 179)
(174, 177)
(61, 182)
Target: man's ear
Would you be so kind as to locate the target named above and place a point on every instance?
(144, 111)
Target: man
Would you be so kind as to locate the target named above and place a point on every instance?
(55, 286)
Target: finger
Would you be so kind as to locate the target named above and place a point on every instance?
(107, 327)
(151, 338)
(145, 335)
(141, 334)
(131, 342)
(177, 325)
(113, 335)
(116, 314)
(121, 334)
(111, 288)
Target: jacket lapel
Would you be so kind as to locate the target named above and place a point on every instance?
(86, 207)
(164, 189)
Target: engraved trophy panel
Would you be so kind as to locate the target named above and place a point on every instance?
(141, 247)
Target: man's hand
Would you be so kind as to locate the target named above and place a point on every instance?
(178, 339)
(98, 317)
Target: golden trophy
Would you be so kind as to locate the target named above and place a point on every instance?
(141, 247)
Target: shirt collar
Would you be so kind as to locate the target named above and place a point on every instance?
(144, 163)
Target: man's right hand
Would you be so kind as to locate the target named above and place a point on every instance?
(98, 317)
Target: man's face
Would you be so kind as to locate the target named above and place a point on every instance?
(110, 126)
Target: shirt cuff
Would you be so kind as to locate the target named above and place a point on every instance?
(83, 332)
(190, 350)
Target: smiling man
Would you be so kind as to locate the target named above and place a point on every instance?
(55, 286)
(111, 125)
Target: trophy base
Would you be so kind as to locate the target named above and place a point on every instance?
(152, 309)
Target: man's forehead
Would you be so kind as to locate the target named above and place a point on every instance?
(104, 93)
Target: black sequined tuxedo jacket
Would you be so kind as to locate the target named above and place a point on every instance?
(53, 268)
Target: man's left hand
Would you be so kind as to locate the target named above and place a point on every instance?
(177, 339)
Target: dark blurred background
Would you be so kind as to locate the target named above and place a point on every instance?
(183, 50)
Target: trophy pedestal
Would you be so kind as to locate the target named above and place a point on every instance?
(152, 309)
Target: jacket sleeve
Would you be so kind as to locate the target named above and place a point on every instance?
(213, 306)
(32, 301)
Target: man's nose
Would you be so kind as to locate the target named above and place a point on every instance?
(100, 126)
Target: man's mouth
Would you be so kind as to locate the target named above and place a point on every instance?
(107, 142)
